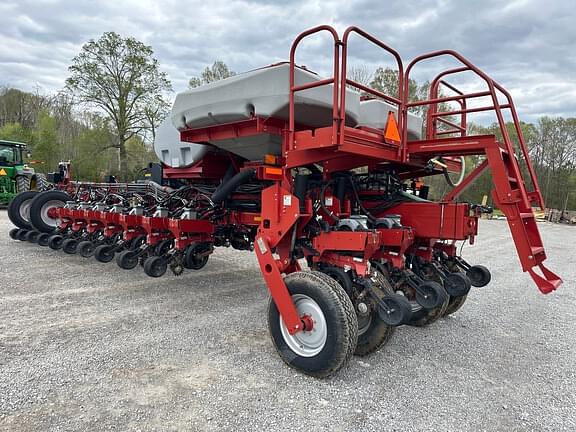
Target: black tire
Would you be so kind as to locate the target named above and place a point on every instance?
(155, 266)
(14, 233)
(55, 241)
(40, 205)
(422, 317)
(479, 276)
(22, 234)
(191, 259)
(32, 236)
(41, 182)
(70, 246)
(376, 333)
(373, 333)
(163, 246)
(341, 325)
(19, 209)
(104, 253)
(136, 242)
(127, 259)
(455, 304)
(340, 276)
(86, 248)
(22, 183)
(42, 239)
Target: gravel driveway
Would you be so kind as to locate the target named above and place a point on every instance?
(89, 346)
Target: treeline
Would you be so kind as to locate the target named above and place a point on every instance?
(56, 128)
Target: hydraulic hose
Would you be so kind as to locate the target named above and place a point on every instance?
(231, 185)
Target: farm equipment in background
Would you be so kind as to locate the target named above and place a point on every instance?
(15, 175)
(307, 173)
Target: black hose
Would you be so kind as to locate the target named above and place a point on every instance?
(227, 176)
(231, 185)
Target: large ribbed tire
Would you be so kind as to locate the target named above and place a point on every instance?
(19, 209)
(41, 182)
(22, 183)
(44, 201)
(323, 352)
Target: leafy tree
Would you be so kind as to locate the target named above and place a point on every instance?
(122, 78)
(386, 81)
(94, 153)
(46, 145)
(15, 132)
(218, 71)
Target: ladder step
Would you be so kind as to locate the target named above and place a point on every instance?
(527, 215)
(536, 250)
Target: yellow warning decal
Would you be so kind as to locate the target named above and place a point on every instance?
(3, 172)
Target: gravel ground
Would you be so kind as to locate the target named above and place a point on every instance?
(88, 346)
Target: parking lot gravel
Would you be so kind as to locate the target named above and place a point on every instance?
(89, 346)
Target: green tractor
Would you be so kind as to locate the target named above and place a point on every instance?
(15, 175)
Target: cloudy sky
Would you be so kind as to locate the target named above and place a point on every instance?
(527, 45)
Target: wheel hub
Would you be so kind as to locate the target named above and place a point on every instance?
(310, 341)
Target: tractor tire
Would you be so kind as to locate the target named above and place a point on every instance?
(19, 209)
(323, 352)
(22, 183)
(41, 182)
(43, 202)
(42, 239)
(32, 236)
(155, 266)
(55, 241)
(14, 233)
(86, 248)
(127, 259)
(70, 246)
(104, 253)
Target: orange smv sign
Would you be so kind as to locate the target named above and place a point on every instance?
(391, 132)
(3, 171)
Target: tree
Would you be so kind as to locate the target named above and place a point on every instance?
(122, 78)
(360, 74)
(46, 145)
(218, 71)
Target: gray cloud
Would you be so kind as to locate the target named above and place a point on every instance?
(526, 45)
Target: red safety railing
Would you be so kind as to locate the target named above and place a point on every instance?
(340, 81)
(344, 81)
(296, 88)
(493, 88)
